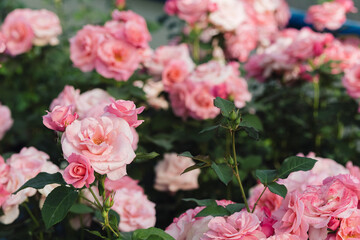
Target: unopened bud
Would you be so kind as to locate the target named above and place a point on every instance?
(233, 116)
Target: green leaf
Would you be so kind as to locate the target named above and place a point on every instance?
(278, 189)
(209, 129)
(114, 219)
(57, 205)
(251, 121)
(250, 162)
(251, 132)
(236, 207)
(41, 180)
(202, 202)
(96, 233)
(79, 208)
(225, 106)
(126, 236)
(295, 163)
(186, 154)
(200, 158)
(266, 176)
(213, 210)
(196, 166)
(145, 156)
(223, 171)
(164, 143)
(151, 234)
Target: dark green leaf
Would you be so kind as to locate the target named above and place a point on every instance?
(196, 166)
(41, 180)
(223, 171)
(295, 163)
(251, 121)
(126, 236)
(186, 154)
(252, 132)
(209, 129)
(145, 156)
(151, 234)
(266, 176)
(250, 162)
(213, 210)
(225, 106)
(96, 233)
(164, 143)
(79, 208)
(200, 158)
(114, 219)
(236, 207)
(57, 205)
(202, 202)
(278, 189)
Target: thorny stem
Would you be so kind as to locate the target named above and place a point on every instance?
(258, 199)
(237, 175)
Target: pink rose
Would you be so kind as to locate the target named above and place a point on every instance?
(349, 227)
(2, 43)
(59, 118)
(152, 90)
(330, 15)
(126, 110)
(135, 138)
(135, 210)
(354, 170)
(117, 59)
(228, 15)
(92, 103)
(191, 11)
(187, 226)
(105, 141)
(5, 120)
(124, 182)
(351, 81)
(174, 72)
(178, 96)
(168, 174)
(46, 27)
(84, 46)
(4, 171)
(18, 32)
(237, 89)
(240, 225)
(348, 5)
(284, 236)
(68, 96)
(290, 217)
(79, 171)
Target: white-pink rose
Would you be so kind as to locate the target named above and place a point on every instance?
(351, 81)
(68, 96)
(92, 103)
(228, 15)
(169, 175)
(124, 182)
(5, 120)
(189, 10)
(2, 43)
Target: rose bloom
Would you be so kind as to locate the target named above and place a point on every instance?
(169, 175)
(135, 210)
(228, 15)
(105, 141)
(117, 59)
(152, 91)
(79, 171)
(135, 138)
(350, 227)
(337, 197)
(18, 32)
(5, 120)
(351, 81)
(348, 5)
(165, 54)
(174, 72)
(2, 43)
(84, 46)
(354, 170)
(289, 217)
(124, 182)
(189, 10)
(126, 110)
(59, 118)
(68, 96)
(237, 89)
(330, 15)
(4, 170)
(92, 103)
(187, 226)
(46, 27)
(240, 225)
(178, 96)
(284, 236)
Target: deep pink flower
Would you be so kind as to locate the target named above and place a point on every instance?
(59, 118)
(126, 110)
(79, 172)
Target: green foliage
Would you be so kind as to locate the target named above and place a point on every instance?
(223, 171)
(79, 208)
(151, 234)
(41, 180)
(225, 106)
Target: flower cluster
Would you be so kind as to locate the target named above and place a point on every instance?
(243, 23)
(115, 50)
(23, 28)
(192, 89)
(18, 169)
(330, 14)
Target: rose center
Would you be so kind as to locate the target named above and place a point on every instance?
(79, 170)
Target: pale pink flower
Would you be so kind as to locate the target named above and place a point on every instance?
(348, 5)
(152, 91)
(354, 170)
(241, 225)
(187, 226)
(84, 46)
(2, 43)
(237, 89)
(351, 81)
(6, 121)
(284, 236)
(124, 182)
(290, 217)
(59, 118)
(79, 171)
(191, 11)
(135, 138)
(135, 210)
(46, 27)
(126, 110)
(228, 15)
(18, 32)
(117, 59)
(330, 15)
(92, 103)
(178, 97)
(68, 96)
(4, 171)
(169, 175)
(106, 141)
(350, 227)
(175, 71)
